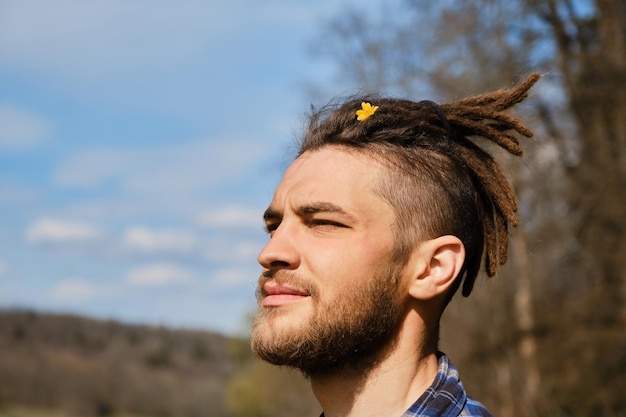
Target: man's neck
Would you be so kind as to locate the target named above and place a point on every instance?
(390, 388)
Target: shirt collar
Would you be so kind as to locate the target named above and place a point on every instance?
(445, 397)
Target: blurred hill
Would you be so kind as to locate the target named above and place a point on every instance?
(87, 367)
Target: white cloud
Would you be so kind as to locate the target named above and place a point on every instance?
(171, 169)
(143, 239)
(244, 251)
(51, 230)
(74, 290)
(234, 277)
(21, 129)
(90, 40)
(106, 38)
(158, 275)
(231, 216)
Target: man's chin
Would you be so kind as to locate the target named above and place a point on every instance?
(274, 337)
(273, 324)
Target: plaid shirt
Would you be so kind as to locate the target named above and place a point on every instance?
(446, 396)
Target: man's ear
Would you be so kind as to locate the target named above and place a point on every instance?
(434, 265)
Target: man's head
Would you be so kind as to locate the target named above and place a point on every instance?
(366, 194)
(329, 280)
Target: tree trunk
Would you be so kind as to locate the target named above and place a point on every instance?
(592, 58)
(527, 345)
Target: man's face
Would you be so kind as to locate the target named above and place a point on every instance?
(329, 292)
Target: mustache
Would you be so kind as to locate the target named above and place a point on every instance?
(286, 278)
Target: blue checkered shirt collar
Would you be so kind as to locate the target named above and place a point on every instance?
(446, 396)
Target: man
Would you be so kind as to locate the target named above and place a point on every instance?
(384, 214)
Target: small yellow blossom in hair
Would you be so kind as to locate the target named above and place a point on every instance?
(366, 111)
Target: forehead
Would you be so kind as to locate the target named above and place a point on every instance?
(331, 174)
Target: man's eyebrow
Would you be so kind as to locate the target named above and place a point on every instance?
(322, 207)
(271, 215)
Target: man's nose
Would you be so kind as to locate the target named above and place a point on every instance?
(280, 251)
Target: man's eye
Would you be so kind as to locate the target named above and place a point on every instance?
(323, 222)
(271, 227)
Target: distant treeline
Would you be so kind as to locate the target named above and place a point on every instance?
(101, 368)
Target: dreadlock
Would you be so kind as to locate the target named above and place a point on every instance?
(441, 181)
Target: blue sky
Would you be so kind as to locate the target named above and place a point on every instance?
(140, 141)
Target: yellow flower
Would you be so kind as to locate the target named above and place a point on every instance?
(366, 111)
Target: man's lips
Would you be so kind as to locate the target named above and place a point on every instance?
(277, 294)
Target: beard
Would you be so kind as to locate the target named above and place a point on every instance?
(350, 331)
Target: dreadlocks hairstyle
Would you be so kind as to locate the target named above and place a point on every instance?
(440, 181)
